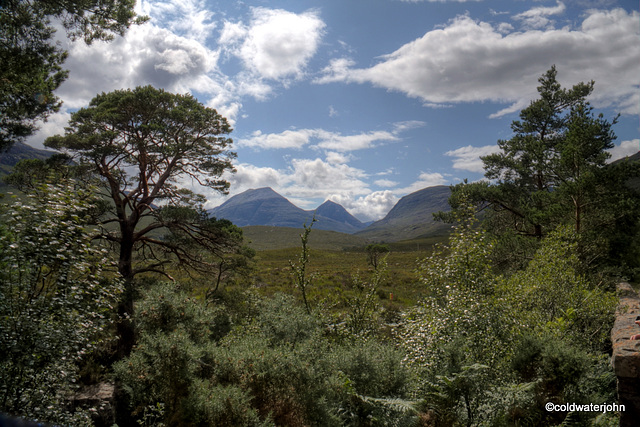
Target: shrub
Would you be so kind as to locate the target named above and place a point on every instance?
(54, 302)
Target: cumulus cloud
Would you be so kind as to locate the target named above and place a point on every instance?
(372, 207)
(188, 18)
(335, 158)
(626, 148)
(320, 138)
(276, 43)
(286, 139)
(538, 17)
(337, 142)
(468, 158)
(54, 125)
(470, 61)
(148, 55)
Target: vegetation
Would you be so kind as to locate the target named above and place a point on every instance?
(553, 171)
(359, 337)
(32, 61)
(54, 301)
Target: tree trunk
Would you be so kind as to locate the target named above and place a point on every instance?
(125, 327)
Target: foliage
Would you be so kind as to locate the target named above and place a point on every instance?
(551, 172)
(274, 368)
(551, 295)
(364, 306)
(54, 301)
(376, 252)
(493, 349)
(31, 60)
(140, 145)
(460, 302)
(299, 269)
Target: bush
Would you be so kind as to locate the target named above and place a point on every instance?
(277, 368)
(54, 302)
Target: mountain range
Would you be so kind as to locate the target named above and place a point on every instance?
(264, 206)
(410, 218)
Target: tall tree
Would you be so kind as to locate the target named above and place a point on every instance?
(552, 171)
(31, 60)
(144, 145)
(525, 169)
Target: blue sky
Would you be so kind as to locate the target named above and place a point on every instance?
(365, 101)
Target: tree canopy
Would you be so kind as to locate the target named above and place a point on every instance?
(32, 62)
(553, 171)
(144, 144)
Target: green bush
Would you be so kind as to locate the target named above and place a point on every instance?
(277, 368)
(54, 302)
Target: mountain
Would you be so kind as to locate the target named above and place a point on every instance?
(339, 214)
(263, 206)
(412, 217)
(20, 151)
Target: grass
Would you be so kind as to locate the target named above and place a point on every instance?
(263, 238)
(332, 274)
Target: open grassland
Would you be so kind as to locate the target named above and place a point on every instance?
(262, 237)
(332, 276)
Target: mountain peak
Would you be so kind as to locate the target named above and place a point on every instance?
(264, 206)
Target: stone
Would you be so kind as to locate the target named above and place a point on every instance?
(625, 357)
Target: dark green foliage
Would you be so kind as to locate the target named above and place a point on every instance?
(139, 143)
(552, 171)
(274, 369)
(32, 62)
(54, 302)
(494, 350)
(375, 253)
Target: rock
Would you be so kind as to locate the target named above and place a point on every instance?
(625, 358)
(99, 400)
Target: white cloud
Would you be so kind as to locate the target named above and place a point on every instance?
(468, 158)
(626, 148)
(54, 125)
(538, 17)
(286, 139)
(147, 55)
(471, 61)
(334, 141)
(276, 43)
(407, 125)
(317, 177)
(372, 207)
(304, 179)
(320, 138)
(336, 158)
(187, 18)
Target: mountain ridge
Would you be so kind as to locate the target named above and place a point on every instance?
(263, 206)
(411, 217)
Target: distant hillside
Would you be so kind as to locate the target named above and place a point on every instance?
(268, 237)
(19, 151)
(412, 217)
(263, 206)
(634, 182)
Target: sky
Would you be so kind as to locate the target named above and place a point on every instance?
(364, 101)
